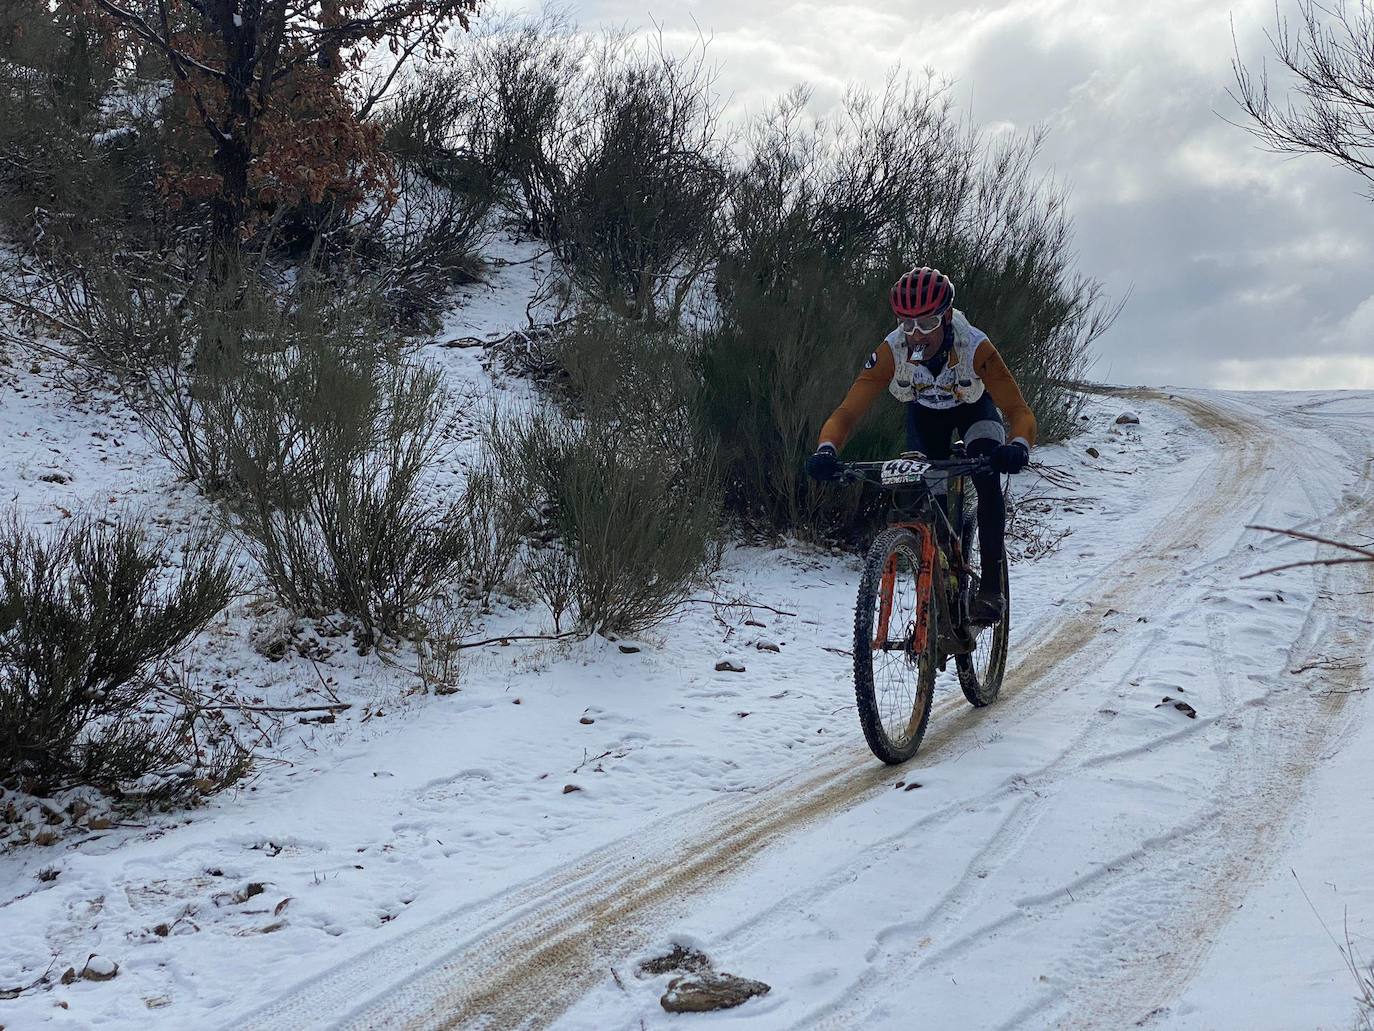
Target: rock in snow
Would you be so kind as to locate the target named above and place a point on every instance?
(1128, 419)
(98, 968)
(701, 993)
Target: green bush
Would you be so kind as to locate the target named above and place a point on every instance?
(615, 154)
(328, 435)
(635, 530)
(623, 482)
(89, 621)
(821, 221)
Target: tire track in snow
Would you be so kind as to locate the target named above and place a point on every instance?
(521, 959)
(1294, 732)
(1177, 889)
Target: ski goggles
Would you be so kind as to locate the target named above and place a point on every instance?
(923, 324)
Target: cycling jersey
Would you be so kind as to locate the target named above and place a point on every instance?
(971, 366)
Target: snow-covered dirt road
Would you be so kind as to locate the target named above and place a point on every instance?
(1074, 856)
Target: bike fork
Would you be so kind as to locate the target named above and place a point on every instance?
(924, 577)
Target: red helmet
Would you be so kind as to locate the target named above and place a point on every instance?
(922, 291)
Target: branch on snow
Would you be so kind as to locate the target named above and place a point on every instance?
(1362, 554)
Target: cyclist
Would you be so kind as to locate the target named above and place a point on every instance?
(951, 378)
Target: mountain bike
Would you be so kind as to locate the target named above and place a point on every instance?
(912, 613)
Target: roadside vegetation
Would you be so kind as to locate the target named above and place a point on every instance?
(248, 238)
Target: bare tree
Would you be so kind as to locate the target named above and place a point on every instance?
(1330, 52)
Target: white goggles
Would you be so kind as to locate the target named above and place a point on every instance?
(923, 324)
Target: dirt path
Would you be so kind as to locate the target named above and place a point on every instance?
(521, 960)
(1156, 906)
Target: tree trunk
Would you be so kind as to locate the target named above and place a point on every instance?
(234, 152)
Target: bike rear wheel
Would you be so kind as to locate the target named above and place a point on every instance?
(896, 629)
(980, 672)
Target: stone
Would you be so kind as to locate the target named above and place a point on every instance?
(1128, 419)
(726, 666)
(767, 646)
(98, 968)
(628, 649)
(1094, 453)
(702, 993)
(681, 959)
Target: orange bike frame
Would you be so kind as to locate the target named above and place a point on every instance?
(925, 575)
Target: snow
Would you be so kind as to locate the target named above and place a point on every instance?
(1080, 854)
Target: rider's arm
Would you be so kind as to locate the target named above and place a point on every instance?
(870, 383)
(1006, 394)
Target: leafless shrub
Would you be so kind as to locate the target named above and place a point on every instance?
(525, 74)
(440, 648)
(89, 623)
(642, 181)
(430, 239)
(167, 337)
(1330, 55)
(493, 519)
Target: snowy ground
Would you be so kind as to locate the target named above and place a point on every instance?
(1078, 855)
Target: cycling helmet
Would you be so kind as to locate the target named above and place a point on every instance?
(922, 292)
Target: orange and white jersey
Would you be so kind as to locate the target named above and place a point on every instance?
(958, 382)
(973, 366)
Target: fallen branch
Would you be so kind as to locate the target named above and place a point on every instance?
(1363, 554)
(14, 993)
(507, 638)
(1326, 664)
(735, 605)
(1302, 535)
(201, 702)
(331, 707)
(1309, 562)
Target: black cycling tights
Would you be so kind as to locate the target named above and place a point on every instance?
(931, 431)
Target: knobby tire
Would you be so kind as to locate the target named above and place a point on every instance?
(895, 544)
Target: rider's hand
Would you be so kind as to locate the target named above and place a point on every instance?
(1010, 458)
(824, 464)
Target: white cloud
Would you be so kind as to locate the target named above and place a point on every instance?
(1297, 372)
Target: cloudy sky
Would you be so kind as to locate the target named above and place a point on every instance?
(1245, 269)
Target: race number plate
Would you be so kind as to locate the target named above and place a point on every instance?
(904, 470)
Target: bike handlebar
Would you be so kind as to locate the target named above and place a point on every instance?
(874, 472)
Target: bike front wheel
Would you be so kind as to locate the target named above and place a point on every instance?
(896, 636)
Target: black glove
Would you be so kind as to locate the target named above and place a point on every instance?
(1010, 458)
(824, 464)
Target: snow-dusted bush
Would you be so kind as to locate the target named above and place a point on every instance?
(329, 436)
(634, 529)
(616, 154)
(90, 619)
(622, 480)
